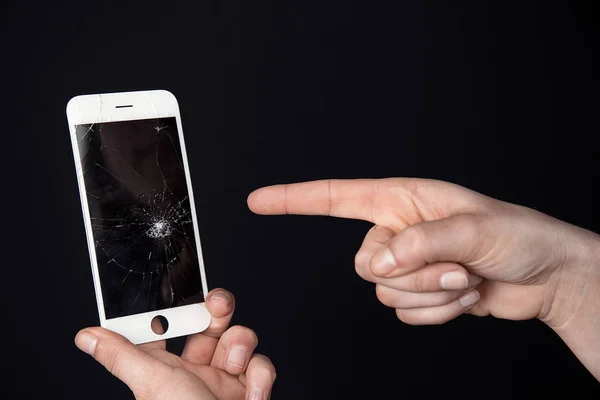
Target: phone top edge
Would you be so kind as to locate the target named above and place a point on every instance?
(84, 96)
(121, 106)
(132, 92)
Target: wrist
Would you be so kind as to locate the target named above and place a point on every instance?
(576, 280)
(572, 301)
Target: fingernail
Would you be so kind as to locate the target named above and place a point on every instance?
(220, 296)
(383, 262)
(470, 298)
(237, 356)
(474, 280)
(255, 393)
(454, 280)
(86, 342)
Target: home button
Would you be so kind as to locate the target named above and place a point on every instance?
(159, 325)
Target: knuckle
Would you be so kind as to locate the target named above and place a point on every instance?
(409, 245)
(471, 225)
(414, 235)
(417, 282)
(435, 316)
(470, 222)
(179, 378)
(474, 228)
(417, 237)
(109, 356)
(381, 235)
(285, 199)
(431, 316)
(441, 317)
(445, 298)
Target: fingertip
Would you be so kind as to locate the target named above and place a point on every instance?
(93, 330)
(251, 200)
(469, 299)
(86, 341)
(219, 295)
(257, 202)
(269, 200)
(81, 331)
(260, 377)
(220, 302)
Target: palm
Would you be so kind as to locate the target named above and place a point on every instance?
(197, 377)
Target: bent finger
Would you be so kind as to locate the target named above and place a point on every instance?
(199, 348)
(234, 350)
(259, 378)
(440, 314)
(377, 238)
(400, 299)
(436, 277)
(455, 239)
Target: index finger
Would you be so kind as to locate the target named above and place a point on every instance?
(391, 202)
(352, 199)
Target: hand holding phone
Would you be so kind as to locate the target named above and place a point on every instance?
(219, 363)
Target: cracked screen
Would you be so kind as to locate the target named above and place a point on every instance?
(140, 214)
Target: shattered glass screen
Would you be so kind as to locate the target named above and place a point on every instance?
(140, 212)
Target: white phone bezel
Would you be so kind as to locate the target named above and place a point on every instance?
(99, 108)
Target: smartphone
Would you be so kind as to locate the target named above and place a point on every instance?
(139, 214)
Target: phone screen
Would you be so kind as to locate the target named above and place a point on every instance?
(140, 212)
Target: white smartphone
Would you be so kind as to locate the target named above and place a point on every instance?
(139, 214)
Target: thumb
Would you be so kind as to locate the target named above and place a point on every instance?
(123, 359)
(456, 239)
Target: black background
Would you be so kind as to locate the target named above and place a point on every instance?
(497, 96)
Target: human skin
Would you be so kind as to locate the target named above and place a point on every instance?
(216, 364)
(438, 250)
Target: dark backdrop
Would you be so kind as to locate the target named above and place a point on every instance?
(497, 96)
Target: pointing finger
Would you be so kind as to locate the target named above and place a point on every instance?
(337, 198)
(413, 200)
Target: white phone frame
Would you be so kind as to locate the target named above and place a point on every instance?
(99, 108)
